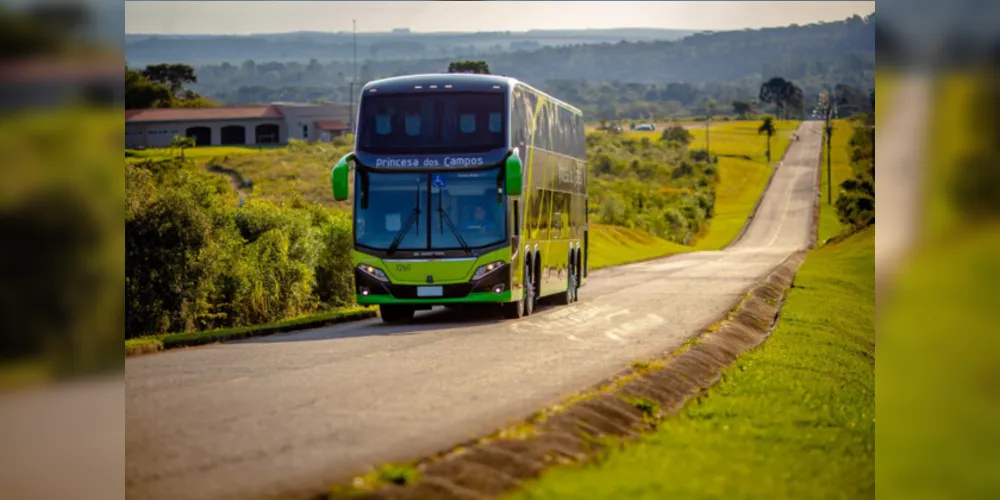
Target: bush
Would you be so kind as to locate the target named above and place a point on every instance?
(196, 261)
(678, 135)
(856, 201)
(650, 185)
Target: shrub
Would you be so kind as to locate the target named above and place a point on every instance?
(195, 261)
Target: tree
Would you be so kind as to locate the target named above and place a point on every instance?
(742, 109)
(767, 127)
(710, 106)
(141, 93)
(773, 92)
(849, 99)
(181, 143)
(173, 75)
(478, 67)
(783, 94)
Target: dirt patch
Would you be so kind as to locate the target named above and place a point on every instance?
(611, 414)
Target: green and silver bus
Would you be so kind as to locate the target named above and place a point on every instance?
(466, 189)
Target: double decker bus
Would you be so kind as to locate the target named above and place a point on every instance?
(467, 189)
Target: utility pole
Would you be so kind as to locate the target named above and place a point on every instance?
(708, 141)
(830, 110)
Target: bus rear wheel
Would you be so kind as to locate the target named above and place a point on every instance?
(393, 313)
(572, 286)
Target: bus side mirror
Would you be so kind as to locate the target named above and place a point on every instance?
(339, 177)
(512, 172)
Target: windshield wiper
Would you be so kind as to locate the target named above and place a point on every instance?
(443, 217)
(414, 217)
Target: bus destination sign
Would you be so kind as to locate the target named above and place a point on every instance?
(431, 161)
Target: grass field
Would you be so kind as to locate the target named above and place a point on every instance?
(735, 138)
(795, 418)
(197, 154)
(741, 138)
(741, 184)
(956, 136)
(613, 245)
(885, 84)
(840, 170)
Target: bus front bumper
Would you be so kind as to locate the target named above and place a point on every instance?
(494, 287)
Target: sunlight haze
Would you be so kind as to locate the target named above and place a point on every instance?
(280, 17)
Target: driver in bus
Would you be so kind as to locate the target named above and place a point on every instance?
(480, 222)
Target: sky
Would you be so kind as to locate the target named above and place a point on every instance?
(180, 17)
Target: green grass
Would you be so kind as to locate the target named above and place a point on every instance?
(885, 85)
(955, 136)
(741, 138)
(741, 183)
(614, 245)
(938, 374)
(840, 169)
(172, 340)
(198, 153)
(794, 418)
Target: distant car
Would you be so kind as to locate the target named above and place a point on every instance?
(646, 127)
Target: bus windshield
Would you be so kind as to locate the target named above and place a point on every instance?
(463, 210)
(432, 123)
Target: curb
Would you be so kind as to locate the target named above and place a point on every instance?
(201, 338)
(633, 404)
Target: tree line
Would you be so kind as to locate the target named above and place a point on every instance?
(724, 66)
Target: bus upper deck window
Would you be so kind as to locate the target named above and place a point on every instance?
(467, 123)
(383, 125)
(495, 121)
(412, 125)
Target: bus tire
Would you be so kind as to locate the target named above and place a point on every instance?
(520, 309)
(572, 285)
(394, 313)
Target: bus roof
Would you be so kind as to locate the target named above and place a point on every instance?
(458, 81)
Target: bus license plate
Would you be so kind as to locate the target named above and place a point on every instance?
(429, 291)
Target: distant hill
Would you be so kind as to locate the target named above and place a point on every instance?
(143, 49)
(725, 66)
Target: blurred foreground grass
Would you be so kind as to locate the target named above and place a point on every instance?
(939, 369)
(794, 418)
(62, 258)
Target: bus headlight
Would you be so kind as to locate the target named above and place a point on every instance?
(487, 269)
(374, 272)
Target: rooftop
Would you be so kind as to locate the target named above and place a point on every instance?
(181, 114)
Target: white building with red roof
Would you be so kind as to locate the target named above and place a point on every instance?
(236, 125)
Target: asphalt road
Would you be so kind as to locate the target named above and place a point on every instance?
(900, 152)
(281, 414)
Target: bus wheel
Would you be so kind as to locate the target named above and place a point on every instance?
(519, 309)
(572, 287)
(531, 291)
(392, 313)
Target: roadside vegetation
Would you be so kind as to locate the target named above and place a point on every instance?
(195, 260)
(61, 257)
(829, 223)
(940, 309)
(813, 379)
(657, 186)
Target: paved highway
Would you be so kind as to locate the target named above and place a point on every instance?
(291, 413)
